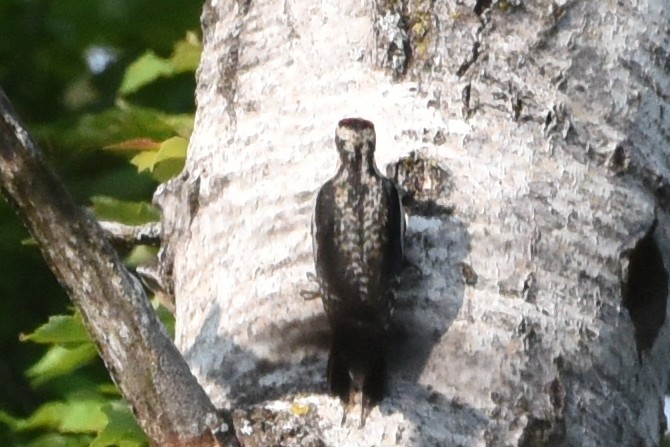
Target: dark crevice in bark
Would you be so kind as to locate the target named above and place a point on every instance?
(229, 61)
(228, 82)
(645, 290)
(541, 432)
(468, 63)
(393, 46)
(481, 6)
(619, 160)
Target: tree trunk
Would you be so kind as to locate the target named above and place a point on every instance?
(530, 138)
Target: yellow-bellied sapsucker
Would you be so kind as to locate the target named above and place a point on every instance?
(357, 236)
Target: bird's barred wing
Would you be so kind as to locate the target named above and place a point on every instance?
(330, 262)
(323, 227)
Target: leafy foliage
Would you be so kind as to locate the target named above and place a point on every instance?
(121, 429)
(118, 124)
(93, 421)
(150, 67)
(65, 331)
(113, 131)
(59, 361)
(131, 213)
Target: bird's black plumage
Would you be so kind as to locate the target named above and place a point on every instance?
(358, 250)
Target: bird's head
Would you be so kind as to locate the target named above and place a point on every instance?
(355, 140)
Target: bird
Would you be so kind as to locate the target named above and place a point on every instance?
(357, 229)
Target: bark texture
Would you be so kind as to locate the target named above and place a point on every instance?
(169, 404)
(531, 138)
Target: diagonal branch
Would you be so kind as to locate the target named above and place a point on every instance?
(170, 406)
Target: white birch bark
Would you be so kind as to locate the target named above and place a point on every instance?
(553, 171)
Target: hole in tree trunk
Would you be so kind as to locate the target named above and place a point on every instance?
(645, 290)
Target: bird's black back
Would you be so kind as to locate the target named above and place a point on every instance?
(357, 232)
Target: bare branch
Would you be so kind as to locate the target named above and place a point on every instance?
(170, 406)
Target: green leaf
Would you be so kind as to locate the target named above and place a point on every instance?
(168, 169)
(75, 385)
(174, 147)
(108, 388)
(74, 416)
(150, 67)
(46, 416)
(83, 416)
(144, 161)
(64, 330)
(146, 69)
(166, 317)
(186, 54)
(121, 429)
(170, 159)
(29, 242)
(131, 213)
(9, 420)
(59, 361)
(167, 162)
(182, 124)
(141, 254)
